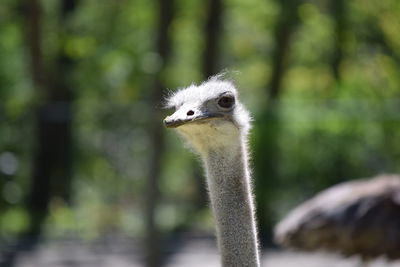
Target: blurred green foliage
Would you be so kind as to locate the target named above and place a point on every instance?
(325, 129)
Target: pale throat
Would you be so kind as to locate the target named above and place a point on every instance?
(222, 150)
(208, 139)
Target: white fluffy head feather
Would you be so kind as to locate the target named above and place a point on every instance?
(200, 118)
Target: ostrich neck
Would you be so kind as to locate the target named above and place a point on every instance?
(231, 199)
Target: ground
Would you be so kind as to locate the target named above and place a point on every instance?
(193, 252)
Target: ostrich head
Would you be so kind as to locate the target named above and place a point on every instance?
(209, 115)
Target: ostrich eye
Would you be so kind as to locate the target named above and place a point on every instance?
(226, 101)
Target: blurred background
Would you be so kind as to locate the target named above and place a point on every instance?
(85, 160)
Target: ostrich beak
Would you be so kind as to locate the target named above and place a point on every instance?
(184, 116)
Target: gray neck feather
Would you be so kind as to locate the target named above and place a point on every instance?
(231, 199)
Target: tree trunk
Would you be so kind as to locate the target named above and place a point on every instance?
(339, 14)
(212, 31)
(52, 159)
(287, 22)
(153, 246)
(266, 154)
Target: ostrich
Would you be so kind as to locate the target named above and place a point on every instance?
(360, 217)
(216, 125)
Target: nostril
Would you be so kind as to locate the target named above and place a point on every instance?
(190, 113)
